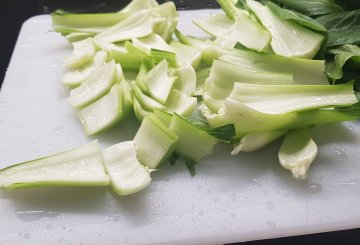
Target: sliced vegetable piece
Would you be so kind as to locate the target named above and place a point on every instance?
(137, 5)
(163, 116)
(139, 24)
(223, 75)
(75, 77)
(139, 111)
(126, 173)
(280, 99)
(180, 103)
(166, 20)
(65, 23)
(154, 142)
(288, 38)
(257, 140)
(152, 41)
(77, 36)
(246, 31)
(247, 120)
(230, 8)
(297, 152)
(160, 55)
(81, 166)
(103, 113)
(128, 61)
(194, 143)
(159, 83)
(192, 41)
(186, 54)
(95, 86)
(83, 53)
(185, 79)
(201, 76)
(215, 24)
(146, 102)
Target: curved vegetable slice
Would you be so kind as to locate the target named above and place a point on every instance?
(103, 113)
(158, 82)
(214, 24)
(81, 166)
(247, 120)
(126, 173)
(139, 24)
(297, 152)
(185, 79)
(83, 53)
(75, 77)
(95, 86)
(288, 38)
(180, 103)
(280, 99)
(71, 23)
(223, 75)
(152, 41)
(257, 140)
(166, 20)
(186, 54)
(154, 142)
(246, 31)
(137, 5)
(194, 142)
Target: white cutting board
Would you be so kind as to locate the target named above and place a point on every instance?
(231, 199)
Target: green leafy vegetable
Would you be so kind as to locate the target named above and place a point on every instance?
(313, 7)
(343, 27)
(343, 55)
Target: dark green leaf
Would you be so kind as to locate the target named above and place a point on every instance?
(224, 133)
(190, 164)
(343, 54)
(343, 27)
(173, 158)
(313, 7)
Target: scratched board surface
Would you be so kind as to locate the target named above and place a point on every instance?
(231, 199)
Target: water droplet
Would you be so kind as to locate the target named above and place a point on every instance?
(201, 212)
(26, 235)
(116, 218)
(315, 188)
(269, 205)
(3, 103)
(233, 197)
(232, 215)
(216, 199)
(257, 182)
(29, 216)
(270, 224)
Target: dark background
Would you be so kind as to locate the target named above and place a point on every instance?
(14, 12)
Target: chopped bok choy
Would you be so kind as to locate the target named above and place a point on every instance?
(81, 166)
(126, 173)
